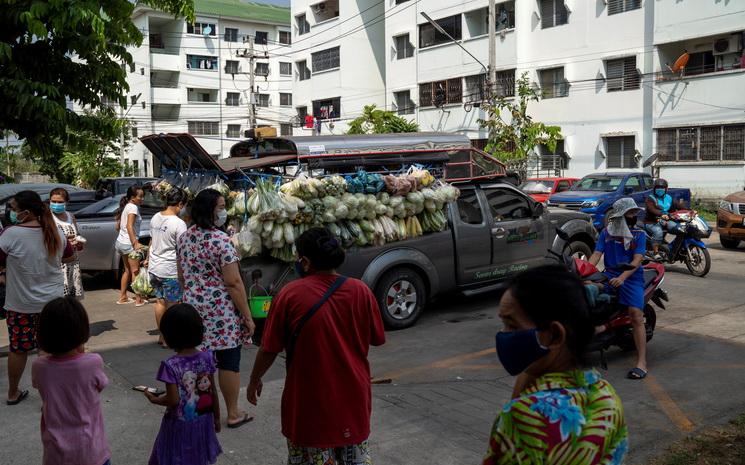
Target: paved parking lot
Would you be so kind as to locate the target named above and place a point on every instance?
(441, 383)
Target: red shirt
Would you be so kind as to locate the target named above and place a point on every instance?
(327, 399)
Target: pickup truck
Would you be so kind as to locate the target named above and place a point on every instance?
(540, 189)
(595, 193)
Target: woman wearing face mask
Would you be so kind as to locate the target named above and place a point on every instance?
(165, 228)
(66, 223)
(128, 223)
(32, 252)
(211, 279)
(622, 242)
(659, 205)
(559, 412)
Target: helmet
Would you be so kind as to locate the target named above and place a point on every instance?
(660, 183)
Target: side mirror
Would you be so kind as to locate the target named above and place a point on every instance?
(628, 190)
(538, 210)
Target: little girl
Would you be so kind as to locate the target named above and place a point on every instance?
(187, 433)
(69, 382)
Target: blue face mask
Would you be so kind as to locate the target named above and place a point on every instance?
(517, 350)
(57, 207)
(659, 192)
(13, 217)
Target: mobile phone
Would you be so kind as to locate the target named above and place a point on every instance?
(151, 390)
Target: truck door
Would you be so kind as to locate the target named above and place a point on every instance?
(518, 239)
(472, 234)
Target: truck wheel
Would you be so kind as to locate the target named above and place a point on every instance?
(401, 295)
(729, 243)
(578, 249)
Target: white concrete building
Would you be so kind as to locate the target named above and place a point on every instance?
(195, 77)
(600, 66)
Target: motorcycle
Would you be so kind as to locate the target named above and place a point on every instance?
(687, 247)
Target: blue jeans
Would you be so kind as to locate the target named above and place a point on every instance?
(657, 230)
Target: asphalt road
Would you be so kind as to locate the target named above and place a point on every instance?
(442, 383)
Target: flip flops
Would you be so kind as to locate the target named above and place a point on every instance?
(126, 302)
(636, 373)
(19, 399)
(246, 419)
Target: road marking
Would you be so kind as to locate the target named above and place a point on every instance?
(668, 405)
(438, 364)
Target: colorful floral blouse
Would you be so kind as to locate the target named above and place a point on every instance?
(202, 254)
(569, 417)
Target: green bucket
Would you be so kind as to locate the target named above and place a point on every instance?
(259, 305)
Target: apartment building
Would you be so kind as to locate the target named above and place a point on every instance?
(604, 73)
(195, 77)
(339, 61)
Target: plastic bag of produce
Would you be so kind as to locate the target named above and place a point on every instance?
(265, 201)
(397, 185)
(335, 186)
(141, 284)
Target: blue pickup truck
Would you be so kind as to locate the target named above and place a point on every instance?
(595, 193)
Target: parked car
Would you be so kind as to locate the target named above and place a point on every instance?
(541, 188)
(731, 220)
(7, 191)
(594, 194)
(109, 187)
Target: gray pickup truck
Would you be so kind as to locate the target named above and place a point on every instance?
(494, 232)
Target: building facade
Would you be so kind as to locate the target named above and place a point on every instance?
(195, 78)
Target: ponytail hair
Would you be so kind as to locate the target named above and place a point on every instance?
(31, 202)
(131, 193)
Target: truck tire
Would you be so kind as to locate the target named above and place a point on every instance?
(401, 295)
(729, 243)
(578, 249)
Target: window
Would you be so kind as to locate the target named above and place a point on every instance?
(233, 99)
(205, 29)
(398, 2)
(440, 93)
(622, 74)
(707, 143)
(262, 69)
(134, 132)
(261, 38)
(302, 112)
(622, 6)
(621, 152)
(262, 100)
(475, 88)
(555, 160)
(234, 131)
(302, 24)
(476, 22)
(285, 69)
(553, 13)
(201, 62)
(563, 186)
(201, 95)
(325, 59)
(285, 37)
(327, 109)
(552, 83)
(469, 209)
(700, 63)
(404, 105)
(505, 16)
(231, 34)
(505, 85)
(204, 128)
(507, 205)
(303, 72)
(285, 129)
(429, 36)
(634, 183)
(285, 99)
(404, 47)
(231, 67)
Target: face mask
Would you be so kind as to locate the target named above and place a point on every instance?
(517, 350)
(299, 270)
(630, 221)
(13, 217)
(57, 207)
(659, 192)
(222, 217)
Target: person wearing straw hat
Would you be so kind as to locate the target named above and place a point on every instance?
(622, 242)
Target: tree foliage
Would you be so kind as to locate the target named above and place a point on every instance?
(516, 137)
(377, 121)
(59, 50)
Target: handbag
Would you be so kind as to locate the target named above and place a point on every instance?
(292, 339)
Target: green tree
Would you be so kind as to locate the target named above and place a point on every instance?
(516, 137)
(52, 52)
(377, 121)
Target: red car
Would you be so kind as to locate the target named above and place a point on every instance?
(542, 188)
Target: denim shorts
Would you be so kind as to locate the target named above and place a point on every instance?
(229, 359)
(168, 289)
(124, 249)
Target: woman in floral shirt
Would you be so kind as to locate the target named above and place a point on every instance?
(559, 413)
(209, 269)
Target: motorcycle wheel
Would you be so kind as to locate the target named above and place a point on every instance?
(650, 322)
(701, 263)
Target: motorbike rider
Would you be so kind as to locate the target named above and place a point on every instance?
(657, 221)
(622, 242)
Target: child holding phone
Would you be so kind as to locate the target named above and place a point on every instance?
(187, 432)
(69, 382)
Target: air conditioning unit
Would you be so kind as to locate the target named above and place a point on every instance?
(319, 7)
(727, 45)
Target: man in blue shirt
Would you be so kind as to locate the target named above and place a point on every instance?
(622, 242)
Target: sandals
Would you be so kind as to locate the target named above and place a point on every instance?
(246, 419)
(19, 399)
(126, 302)
(142, 304)
(636, 373)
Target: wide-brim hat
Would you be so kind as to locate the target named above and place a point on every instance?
(623, 206)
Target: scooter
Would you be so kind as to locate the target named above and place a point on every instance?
(687, 247)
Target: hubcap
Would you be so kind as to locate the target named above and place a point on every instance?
(401, 299)
(696, 258)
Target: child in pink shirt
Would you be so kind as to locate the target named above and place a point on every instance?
(69, 382)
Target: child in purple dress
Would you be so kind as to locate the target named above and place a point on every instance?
(187, 432)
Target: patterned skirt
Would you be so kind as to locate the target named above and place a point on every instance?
(73, 280)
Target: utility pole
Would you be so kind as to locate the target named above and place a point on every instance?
(252, 79)
(121, 139)
(491, 79)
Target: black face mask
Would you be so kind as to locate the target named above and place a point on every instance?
(630, 221)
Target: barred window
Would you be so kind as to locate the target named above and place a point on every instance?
(234, 131)
(233, 99)
(285, 69)
(475, 88)
(705, 143)
(622, 74)
(325, 59)
(429, 36)
(555, 160)
(285, 99)
(505, 84)
(710, 143)
(734, 142)
(687, 144)
(285, 129)
(553, 13)
(666, 144)
(203, 128)
(621, 152)
(327, 109)
(439, 93)
(622, 6)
